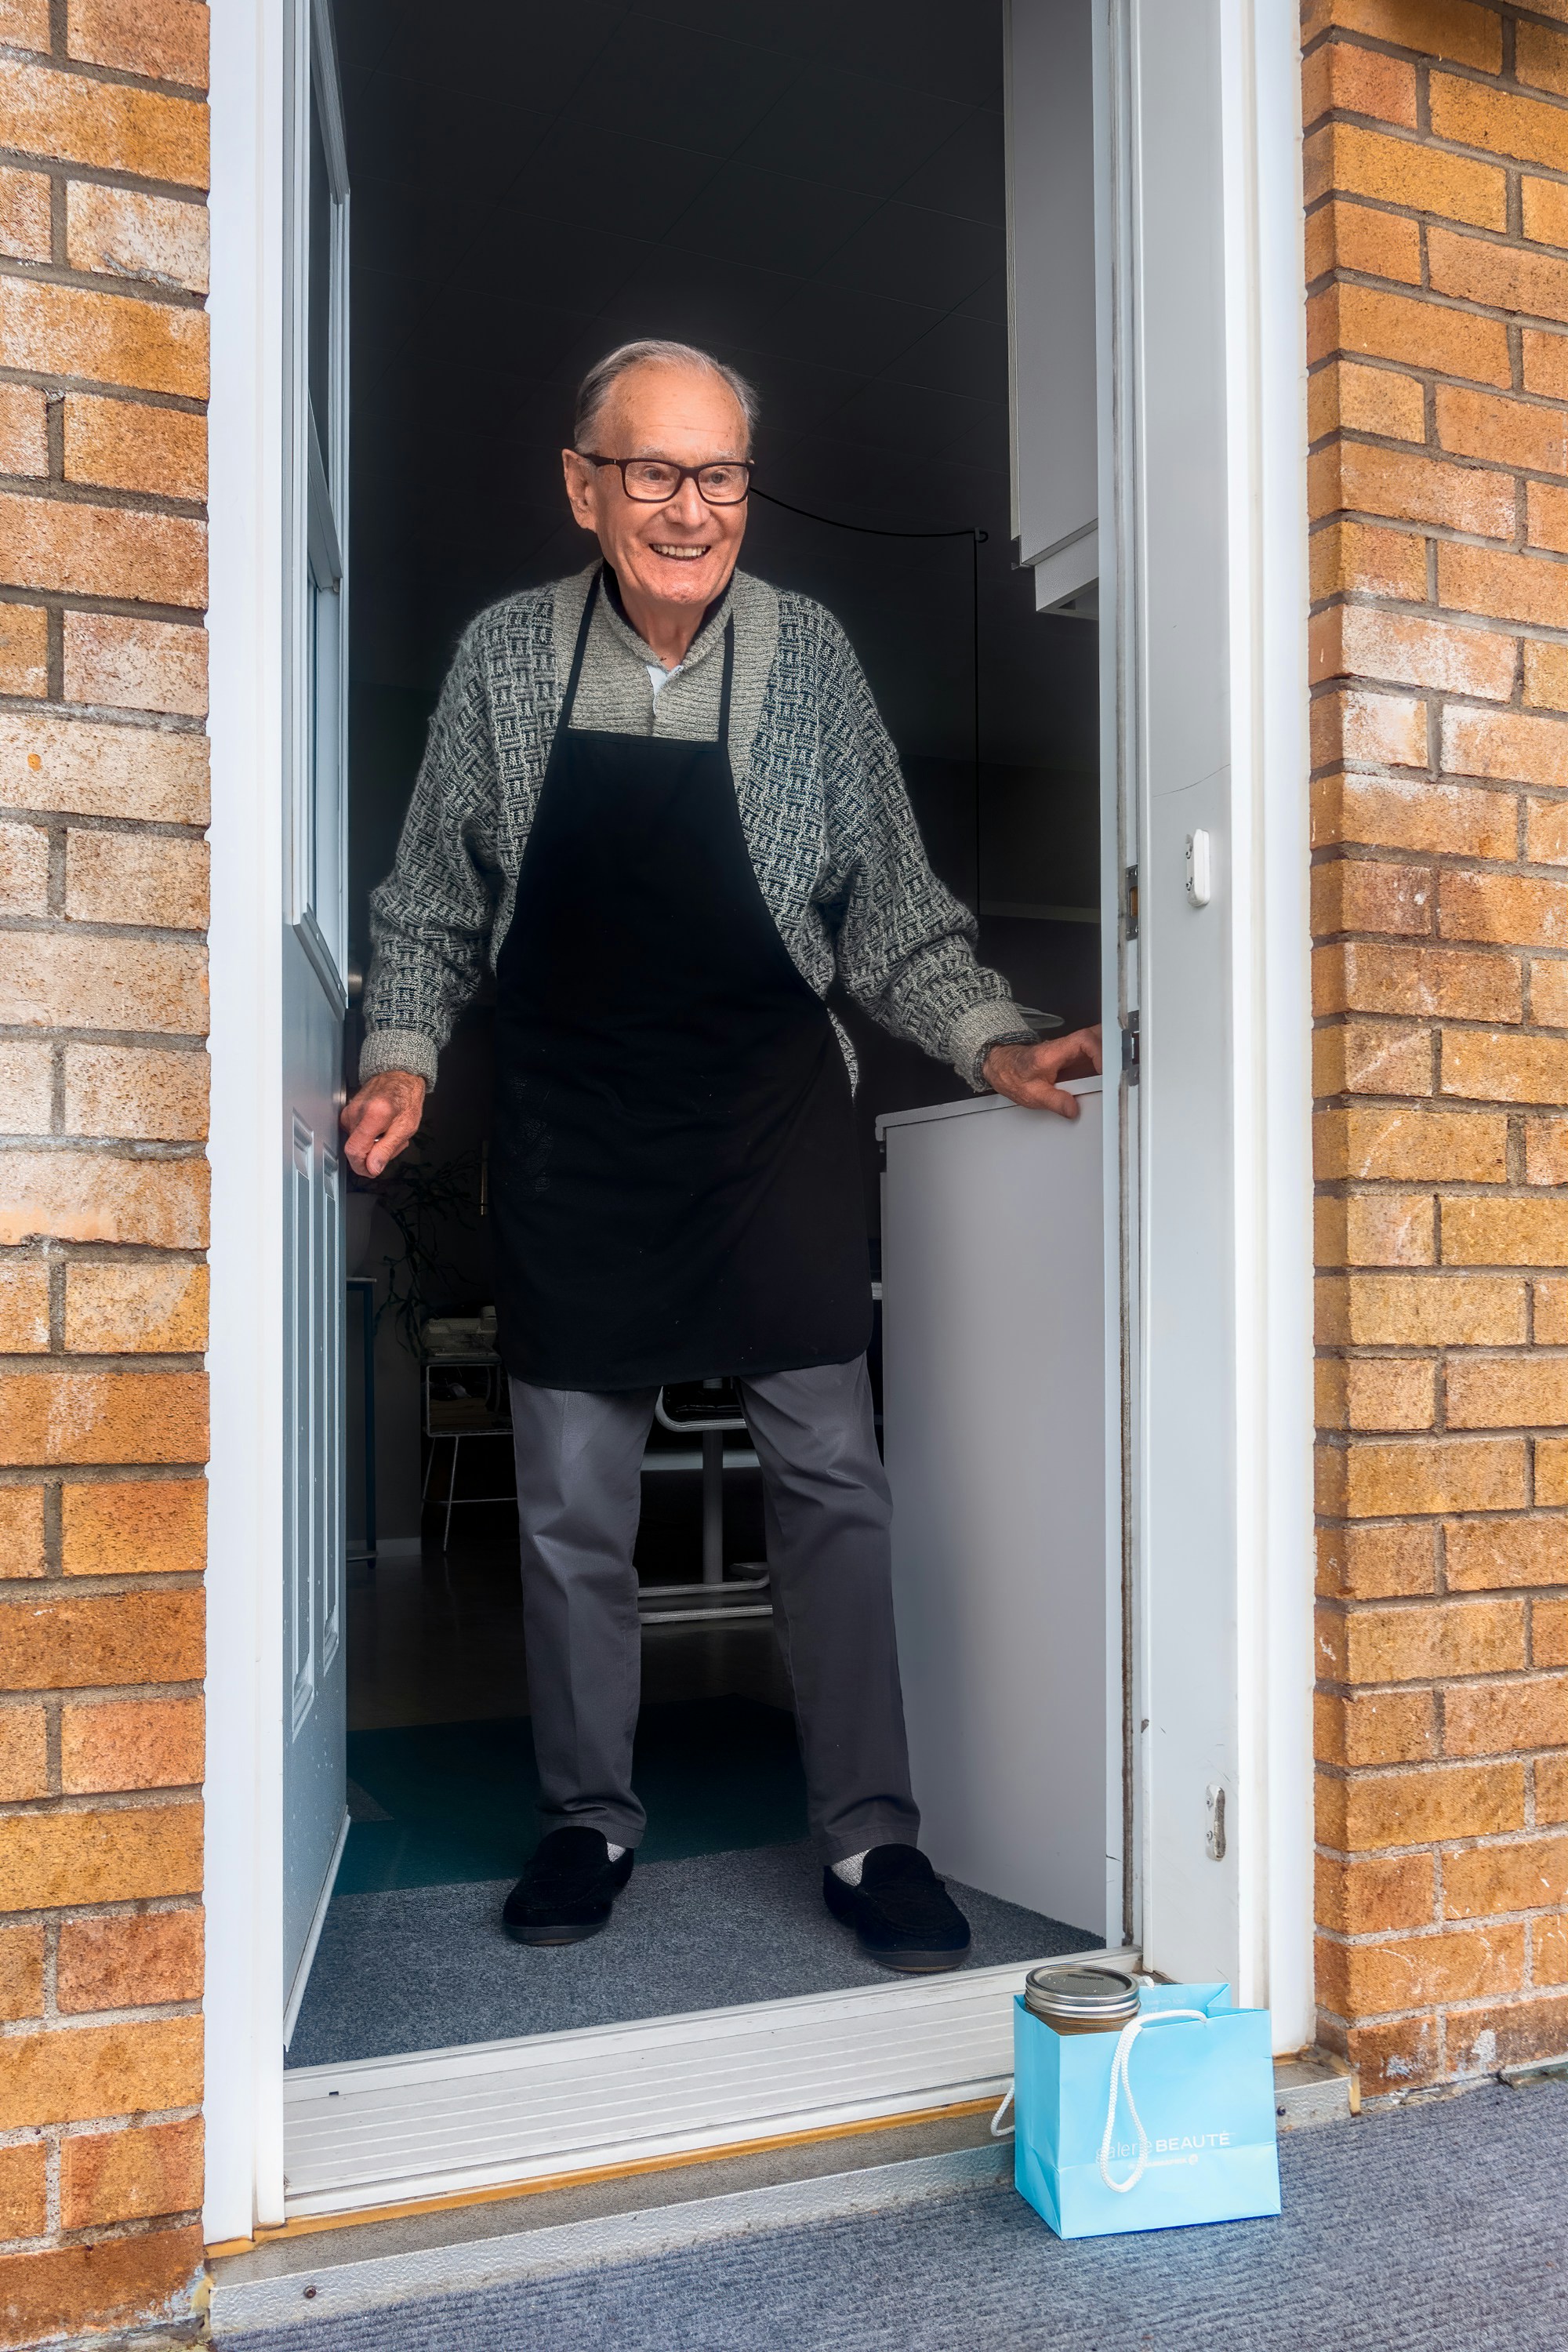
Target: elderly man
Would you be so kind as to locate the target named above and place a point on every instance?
(659, 798)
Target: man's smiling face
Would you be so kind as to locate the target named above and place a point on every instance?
(680, 554)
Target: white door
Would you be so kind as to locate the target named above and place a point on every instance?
(314, 1001)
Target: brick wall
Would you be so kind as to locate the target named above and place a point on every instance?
(104, 1182)
(1437, 185)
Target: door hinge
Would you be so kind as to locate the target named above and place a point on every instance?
(1129, 902)
(1131, 1062)
(1214, 1836)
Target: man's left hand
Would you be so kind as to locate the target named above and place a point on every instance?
(1029, 1074)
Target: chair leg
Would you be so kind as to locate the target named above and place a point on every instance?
(451, 1490)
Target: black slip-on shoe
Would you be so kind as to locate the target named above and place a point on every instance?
(902, 1912)
(568, 1890)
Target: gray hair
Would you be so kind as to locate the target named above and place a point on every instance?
(594, 391)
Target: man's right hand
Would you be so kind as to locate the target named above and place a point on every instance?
(382, 1120)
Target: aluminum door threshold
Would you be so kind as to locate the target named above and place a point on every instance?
(439, 2122)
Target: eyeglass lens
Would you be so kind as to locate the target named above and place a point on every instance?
(654, 480)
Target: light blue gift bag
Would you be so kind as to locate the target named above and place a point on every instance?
(1169, 2122)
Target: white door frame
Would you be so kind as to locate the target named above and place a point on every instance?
(1268, 1546)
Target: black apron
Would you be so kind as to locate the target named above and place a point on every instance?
(675, 1178)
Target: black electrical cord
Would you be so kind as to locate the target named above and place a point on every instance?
(975, 535)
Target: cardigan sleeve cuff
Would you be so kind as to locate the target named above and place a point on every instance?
(997, 1022)
(398, 1049)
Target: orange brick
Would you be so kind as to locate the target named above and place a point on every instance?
(122, 232)
(21, 1531)
(135, 665)
(1364, 976)
(125, 445)
(1368, 1898)
(133, 1526)
(1550, 1471)
(137, 1961)
(1508, 587)
(1497, 907)
(21, 1972)
(1371, 1478)
(1367, 322)
(1506, 743)
(138, 1309)
(129, 2176)
(1549, 1632)
(25, 2190)
(1486, 1554)
(1545, 211)
(1386, 729)
(1407, 649)
(1420, 1642)
(1481, 1881)
(1506, 1392)
(167, 42)
(84, 1197)
(1377, 1229)
(136, 1091)
(1362, 476)
(1390, 813)
(25, 24)
(53, 1859)
(1376, 1563)
(1348, 160)
(53, 981)
(1550, 1313)
(1358, 81)
(1356, 236)
(1498, 1719)
(1363, 894)
(1541, 58)
(1395, 2057)
(1422, 1311)
(1548, 997)
(1369, 1980)
(103, 550)
(23, 1308)
(71, 119)
(25, 224)
(1364, 400)
(131, 1743)
(1404, 1144)
(1550, 1774)
(1487, 1066)
(1353, 556)
(1368, 1058)
(24, 1754)
(1388, 1727)
(1505, 1233)
(1471, 115)
(103, 1417)
(1420, 1807)
(1546, 833)
(102, 2283)
(1380, 1392)
(109, 1638)
(77, 2073)
(24, 649)
(1501, 275)
(23, 868)
(24, 442)
(1546, 363)
(1511, 432)
(71, 330)
(1549, 1951)
(1456, 29)
(90, 770)
(1546, 508)
(138, 878)
(1546, 1151)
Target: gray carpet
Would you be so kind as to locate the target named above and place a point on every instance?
(1433, 2229)
(424, 1968)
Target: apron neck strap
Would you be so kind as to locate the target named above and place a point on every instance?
(569, 699)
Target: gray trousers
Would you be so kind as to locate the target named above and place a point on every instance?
(828, 1515)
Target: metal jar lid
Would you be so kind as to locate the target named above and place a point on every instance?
(1081, 1996)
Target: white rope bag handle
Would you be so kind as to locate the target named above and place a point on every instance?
(1122, 2081)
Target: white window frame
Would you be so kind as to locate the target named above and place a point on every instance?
(257, 55)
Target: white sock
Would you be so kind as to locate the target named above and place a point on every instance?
(849, 1869)
(615, 1852)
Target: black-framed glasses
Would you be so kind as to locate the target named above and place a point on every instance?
(651, 481)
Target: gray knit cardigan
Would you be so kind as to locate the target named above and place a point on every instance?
(833, 840)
